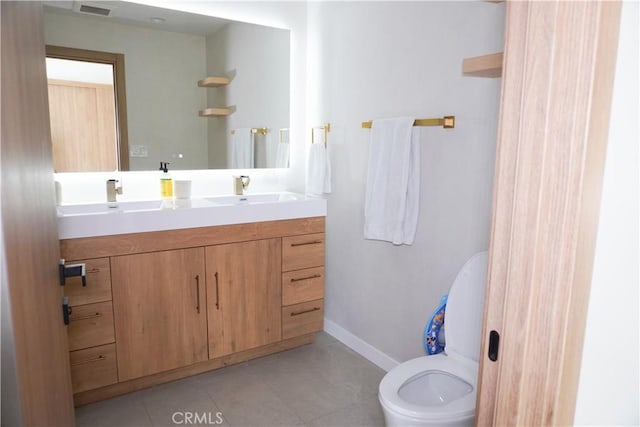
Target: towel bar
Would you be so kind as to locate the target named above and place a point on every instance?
(261, 131)
(447, 122)
(327, 129)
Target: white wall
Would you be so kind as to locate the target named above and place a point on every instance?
(161, 69)
(609, 387)
(371, 60)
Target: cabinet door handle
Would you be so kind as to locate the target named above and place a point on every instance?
(298, 279)
(198, 293)
(95, 359)
(297, 313)
(217, 293)
(88, 316)
(313, 242)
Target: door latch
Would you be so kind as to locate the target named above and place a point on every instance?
(66, 310)
(494, 345)
(72, 270)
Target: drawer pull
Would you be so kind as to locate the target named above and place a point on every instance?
(95, 359)
(93, 271)
(315, 276)
(88, 316)
(297, 313)
(313, 242)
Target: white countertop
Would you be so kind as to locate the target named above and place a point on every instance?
(102, 219)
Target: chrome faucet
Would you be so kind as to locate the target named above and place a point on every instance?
(240, 183)
(113, 190)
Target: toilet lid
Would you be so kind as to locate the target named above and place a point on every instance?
(465, 308)
(462, 372)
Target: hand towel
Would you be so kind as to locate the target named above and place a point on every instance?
(318, 170)
(393, 182)
(242, 149)
(282, 155)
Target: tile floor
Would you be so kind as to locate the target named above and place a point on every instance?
(321, 384)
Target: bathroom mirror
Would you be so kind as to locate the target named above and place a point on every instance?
(168, 114)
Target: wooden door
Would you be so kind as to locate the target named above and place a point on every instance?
(83, 126)
(556, 95)
(36, 381)
(243, 295)
(159, 311)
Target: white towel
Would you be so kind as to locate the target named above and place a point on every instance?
(318, 170)
(282, 155)
(393, 182)
(242, 149)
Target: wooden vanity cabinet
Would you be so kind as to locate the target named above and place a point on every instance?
(243, 295)
(159, 308)
(90, 333)
(190, 300)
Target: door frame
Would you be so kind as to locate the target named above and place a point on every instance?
(557, 85)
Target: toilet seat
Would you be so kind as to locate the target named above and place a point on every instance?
(465, 370)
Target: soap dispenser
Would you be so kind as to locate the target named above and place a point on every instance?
(166, 183)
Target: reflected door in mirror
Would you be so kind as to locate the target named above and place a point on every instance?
(83, 126)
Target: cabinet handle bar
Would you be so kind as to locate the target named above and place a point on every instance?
(315, 276)
(95, 359)
(314, 242)
(198, 293)
(217, 293)
(88, 316)
(297, 313)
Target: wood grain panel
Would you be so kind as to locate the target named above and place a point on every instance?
(243, 295)
(91, 325)
(83, 127)
(93, 367)
(554, 119)
(302, 251)
(301, 319)
(30, 249)
(302, 285)
(98, 283)
(159, 309)
(122, 244)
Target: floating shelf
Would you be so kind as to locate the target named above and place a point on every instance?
(483, 66)
(214, 112)
(214, 82)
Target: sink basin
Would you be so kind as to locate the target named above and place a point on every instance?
(252, 198)
(101, 208)
(101, 219)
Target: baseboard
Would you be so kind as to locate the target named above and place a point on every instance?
(359, 346)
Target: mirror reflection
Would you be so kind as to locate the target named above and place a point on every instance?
(201, 92)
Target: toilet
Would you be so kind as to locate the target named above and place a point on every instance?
(440, 390)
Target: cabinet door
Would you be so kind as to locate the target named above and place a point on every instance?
(159, 310)
(243, 295)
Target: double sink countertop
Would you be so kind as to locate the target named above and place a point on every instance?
(103, 219)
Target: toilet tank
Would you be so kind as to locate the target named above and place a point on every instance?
(465, 308)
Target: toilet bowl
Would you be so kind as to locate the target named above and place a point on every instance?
(440, 390)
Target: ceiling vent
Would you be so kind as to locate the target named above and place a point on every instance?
(91, 10)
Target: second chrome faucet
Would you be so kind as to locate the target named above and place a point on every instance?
(113, 190)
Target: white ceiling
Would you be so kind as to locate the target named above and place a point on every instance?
(141, 15)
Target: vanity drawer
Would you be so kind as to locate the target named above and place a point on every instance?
(98, 280)
(90, 325)
(302, 285)
(302, 251)
(301, 319)
(93, 367)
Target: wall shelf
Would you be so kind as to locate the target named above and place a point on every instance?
(214, 112)
(483, 66)
(214, 82)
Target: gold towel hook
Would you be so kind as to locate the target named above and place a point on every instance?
(326, 127)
